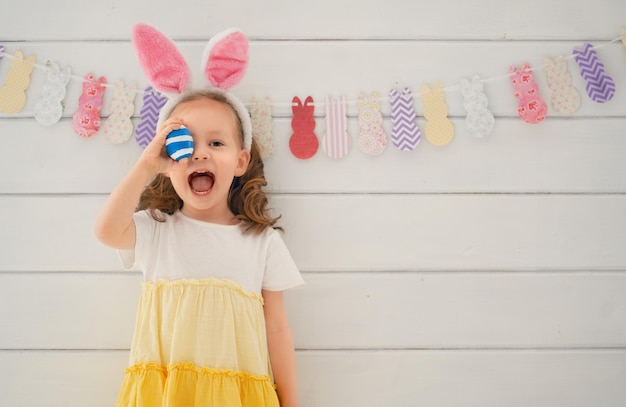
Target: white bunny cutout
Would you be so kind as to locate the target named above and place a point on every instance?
(224, 62)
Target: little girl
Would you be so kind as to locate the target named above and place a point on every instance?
(211, 327)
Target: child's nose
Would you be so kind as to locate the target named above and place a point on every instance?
(200, 152)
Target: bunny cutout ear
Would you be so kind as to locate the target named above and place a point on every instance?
(225, 59)
(161, 61)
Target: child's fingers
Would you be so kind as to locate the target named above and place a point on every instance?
(157, 145)
(168, 126)
(155, 154)
(183, 162)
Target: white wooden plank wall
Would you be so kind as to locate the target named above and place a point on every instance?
(487, 273)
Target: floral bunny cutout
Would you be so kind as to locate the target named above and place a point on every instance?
(224, 63)
(532, 108)
(86, 120)
(372, 138)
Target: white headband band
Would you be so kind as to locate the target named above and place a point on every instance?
(234, 102)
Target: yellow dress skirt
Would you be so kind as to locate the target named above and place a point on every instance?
(198, 343)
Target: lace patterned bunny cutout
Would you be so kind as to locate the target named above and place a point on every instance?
(479, 120)
(372, 138)
(86, 121)
(13, 93)
(262, 131)
(532, 108)
(439, 130)
(565, 98)
(303, 142)
(118, 128)
(49, 107)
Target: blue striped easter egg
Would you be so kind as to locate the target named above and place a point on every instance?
(179, 143)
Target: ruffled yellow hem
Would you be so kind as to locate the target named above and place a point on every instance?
(214, 282)
(188, 385)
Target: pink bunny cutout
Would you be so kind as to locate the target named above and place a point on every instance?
(532, 108)
(224, 63)
(86, 120)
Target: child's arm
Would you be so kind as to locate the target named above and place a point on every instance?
(280, 344)
(115, 226)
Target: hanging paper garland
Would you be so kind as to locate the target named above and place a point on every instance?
(303, 143)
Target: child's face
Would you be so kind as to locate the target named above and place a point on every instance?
(217, 158)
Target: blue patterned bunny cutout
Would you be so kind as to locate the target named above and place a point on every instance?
(479, 120)
(49, 107)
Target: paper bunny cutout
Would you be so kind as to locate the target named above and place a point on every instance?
(224, 62)
(372, 138)
(479, 120)
(439, 130)
(49, 107)
(303, 142)
(86, 120)
(13, 93)
(532, 108)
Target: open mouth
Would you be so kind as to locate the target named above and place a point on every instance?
(201, 182)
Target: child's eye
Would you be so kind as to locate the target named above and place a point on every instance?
(216, 143)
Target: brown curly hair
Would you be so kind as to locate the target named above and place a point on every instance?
(247, 198)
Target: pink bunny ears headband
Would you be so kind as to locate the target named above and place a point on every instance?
(224, 63)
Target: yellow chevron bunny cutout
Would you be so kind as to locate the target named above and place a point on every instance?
(12, 94)
(439, 130)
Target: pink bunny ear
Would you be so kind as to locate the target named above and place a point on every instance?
(225, 59)
(163, 64)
